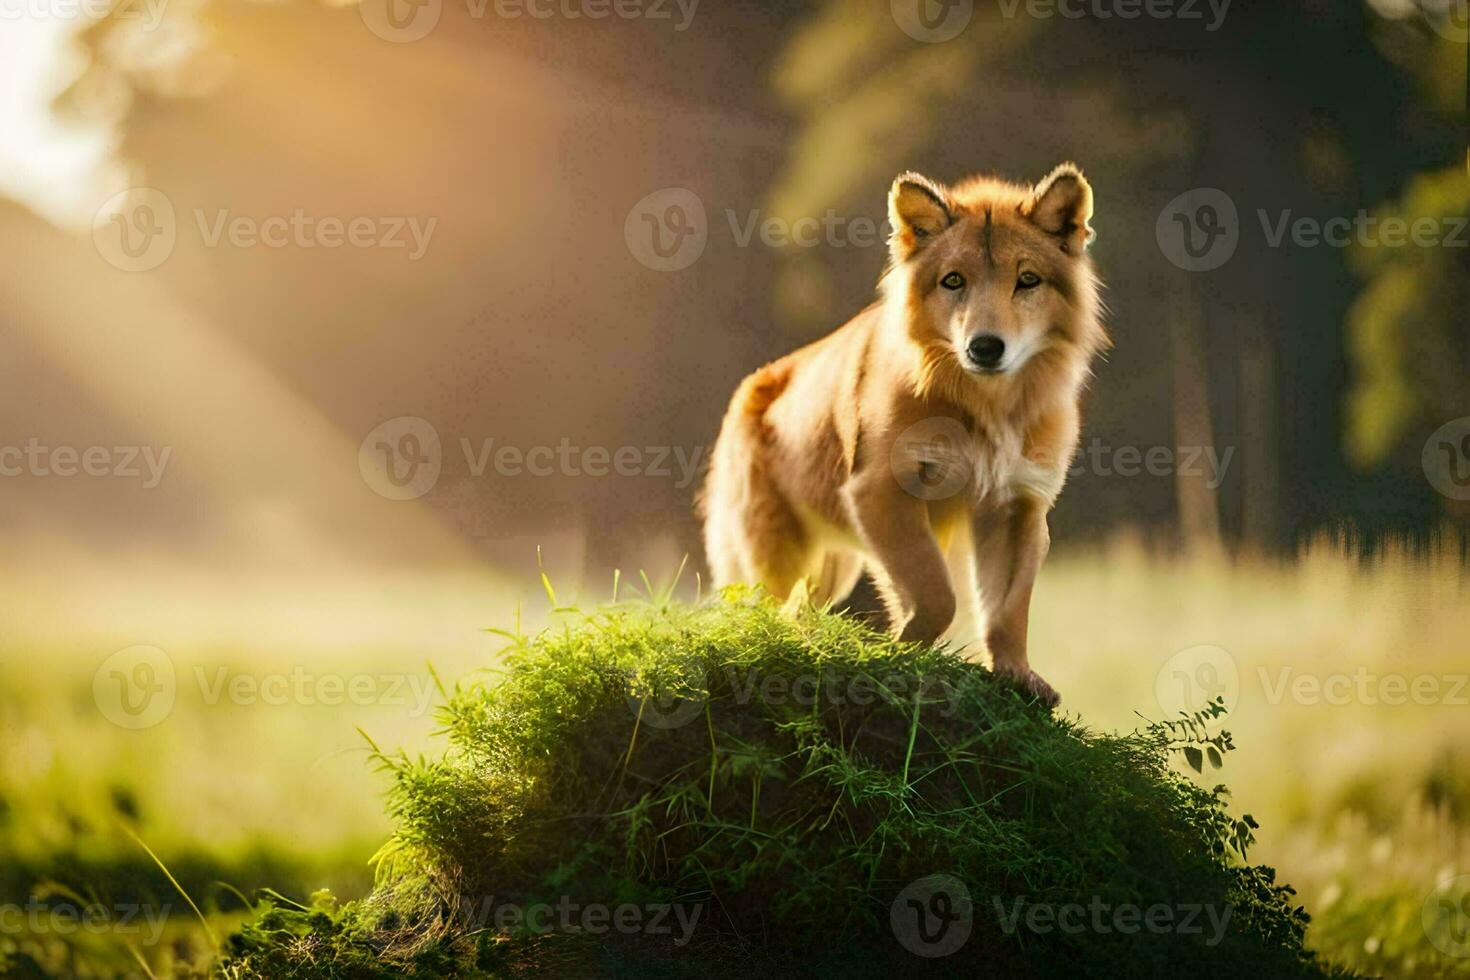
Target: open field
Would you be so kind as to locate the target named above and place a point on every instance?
(1351, 718)
(1346, 682)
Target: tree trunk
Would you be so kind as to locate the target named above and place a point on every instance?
(1198, 502)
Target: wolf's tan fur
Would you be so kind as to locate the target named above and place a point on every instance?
(883, 445)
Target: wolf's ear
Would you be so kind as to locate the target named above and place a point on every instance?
(1061, 204)
(918, 210)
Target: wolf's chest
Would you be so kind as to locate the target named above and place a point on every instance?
(947, 461)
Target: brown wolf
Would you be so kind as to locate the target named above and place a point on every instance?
(928, 437)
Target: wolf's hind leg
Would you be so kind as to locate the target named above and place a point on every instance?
(753, 536)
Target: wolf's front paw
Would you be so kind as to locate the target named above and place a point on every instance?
(1030, 682)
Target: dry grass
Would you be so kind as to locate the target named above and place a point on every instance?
(1364, 804)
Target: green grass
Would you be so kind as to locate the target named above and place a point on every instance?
(791, 788)
(1364, 807)
(233, 796)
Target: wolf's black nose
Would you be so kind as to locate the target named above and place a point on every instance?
(987, 349)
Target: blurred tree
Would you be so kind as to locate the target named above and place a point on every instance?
(1408, 336)
(1305, 108)
(1409, 340)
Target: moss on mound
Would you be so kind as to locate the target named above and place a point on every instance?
(663, 790)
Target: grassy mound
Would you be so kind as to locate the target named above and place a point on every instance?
(660, 790)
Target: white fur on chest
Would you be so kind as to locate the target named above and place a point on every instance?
(990, 469)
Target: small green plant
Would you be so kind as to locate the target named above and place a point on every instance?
(1193, 737)
(792, 789)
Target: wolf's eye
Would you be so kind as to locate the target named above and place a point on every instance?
(1028, 280)
(952, 281)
